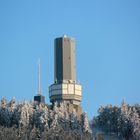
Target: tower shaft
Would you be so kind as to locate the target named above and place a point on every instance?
(64, 57)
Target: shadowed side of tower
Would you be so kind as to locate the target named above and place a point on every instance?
(65, 87)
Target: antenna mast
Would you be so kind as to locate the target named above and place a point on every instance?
(39, 77)
(39, 98)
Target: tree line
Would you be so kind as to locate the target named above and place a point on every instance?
(32, 121)
(123, 121)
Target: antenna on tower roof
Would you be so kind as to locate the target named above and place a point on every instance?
(39, 76)
(39, 98)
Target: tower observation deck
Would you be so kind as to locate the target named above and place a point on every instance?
(65, 87)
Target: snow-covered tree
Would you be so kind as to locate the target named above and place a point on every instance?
(5, 115)
(85, 123)
(24, 114)
(74, 123)
(3, 102)
(55, 123)
(12, 104)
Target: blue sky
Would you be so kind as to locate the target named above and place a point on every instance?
(107, 34)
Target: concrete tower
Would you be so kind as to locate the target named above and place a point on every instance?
(64, 57)
(65, 87)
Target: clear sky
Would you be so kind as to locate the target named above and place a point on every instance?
(107, 34)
